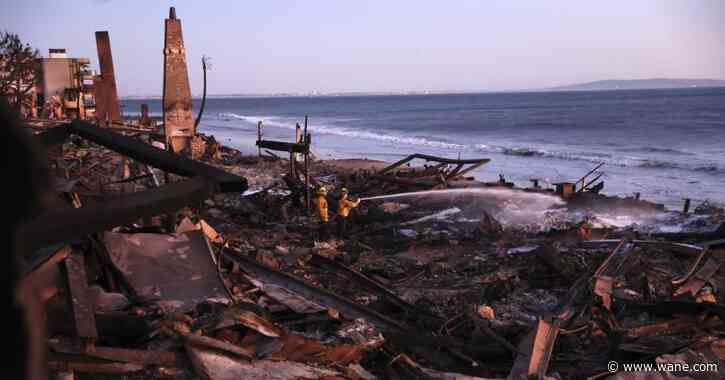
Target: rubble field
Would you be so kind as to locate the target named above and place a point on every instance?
(239, 285)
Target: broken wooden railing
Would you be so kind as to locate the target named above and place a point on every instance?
(431, 176)
(300, 146)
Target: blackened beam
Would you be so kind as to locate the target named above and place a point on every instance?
(315, 294)
(68, 224)
(53, 136)
(442, 160)
(158, 158)
(83, 313)
(283, 146)
(124, 355)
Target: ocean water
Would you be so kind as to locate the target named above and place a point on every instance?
(665, 144)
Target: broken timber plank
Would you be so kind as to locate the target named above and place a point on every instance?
(145, 357)
(540, 344)
(164, 160)
(84, 315)
(68, 224)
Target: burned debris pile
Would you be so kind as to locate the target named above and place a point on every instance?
(152, 265)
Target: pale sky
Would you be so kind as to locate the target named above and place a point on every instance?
(274, 46)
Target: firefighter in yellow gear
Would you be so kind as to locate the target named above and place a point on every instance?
(322, 212)
(343, 212)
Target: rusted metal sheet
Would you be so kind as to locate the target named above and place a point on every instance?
(177, 105)
(67, 224)
(106, 94)
(177, 268)
(158, 158)
(84, 315)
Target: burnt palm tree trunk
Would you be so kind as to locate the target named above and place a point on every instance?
(203, 95)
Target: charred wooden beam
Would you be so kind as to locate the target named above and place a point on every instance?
(83, 313)
(68, 224)
(313, 293)
(158, 158)
(53, 136)
(117, 324)
(145, 357)
(284, 146)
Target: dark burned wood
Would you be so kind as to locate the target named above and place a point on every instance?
(68, 224)
(116, 354)
(443, 160)
(45, 258)
(117, 324)
(86, 364)
(310, 292)
(146, 357)
(158, 158)
(84, 315)
(284, 146)
(369, 283)
(539, 344)
(53, 136)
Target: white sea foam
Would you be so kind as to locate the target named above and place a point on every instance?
(345, 132)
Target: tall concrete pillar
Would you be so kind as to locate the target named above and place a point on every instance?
(106, 94)
(178, 118)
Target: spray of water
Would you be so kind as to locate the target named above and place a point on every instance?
(535, 211)
(514, 208)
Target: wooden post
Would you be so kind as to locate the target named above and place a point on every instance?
(83, 309)
(298, 139)
(307, 166)
(686, 207)
(259, 137)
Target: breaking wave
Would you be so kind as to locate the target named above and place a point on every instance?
(345, 132)
(522, 151)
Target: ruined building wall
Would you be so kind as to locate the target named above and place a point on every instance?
(178, 119)
(106, 94)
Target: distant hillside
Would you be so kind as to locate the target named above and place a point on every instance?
(640, 84)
